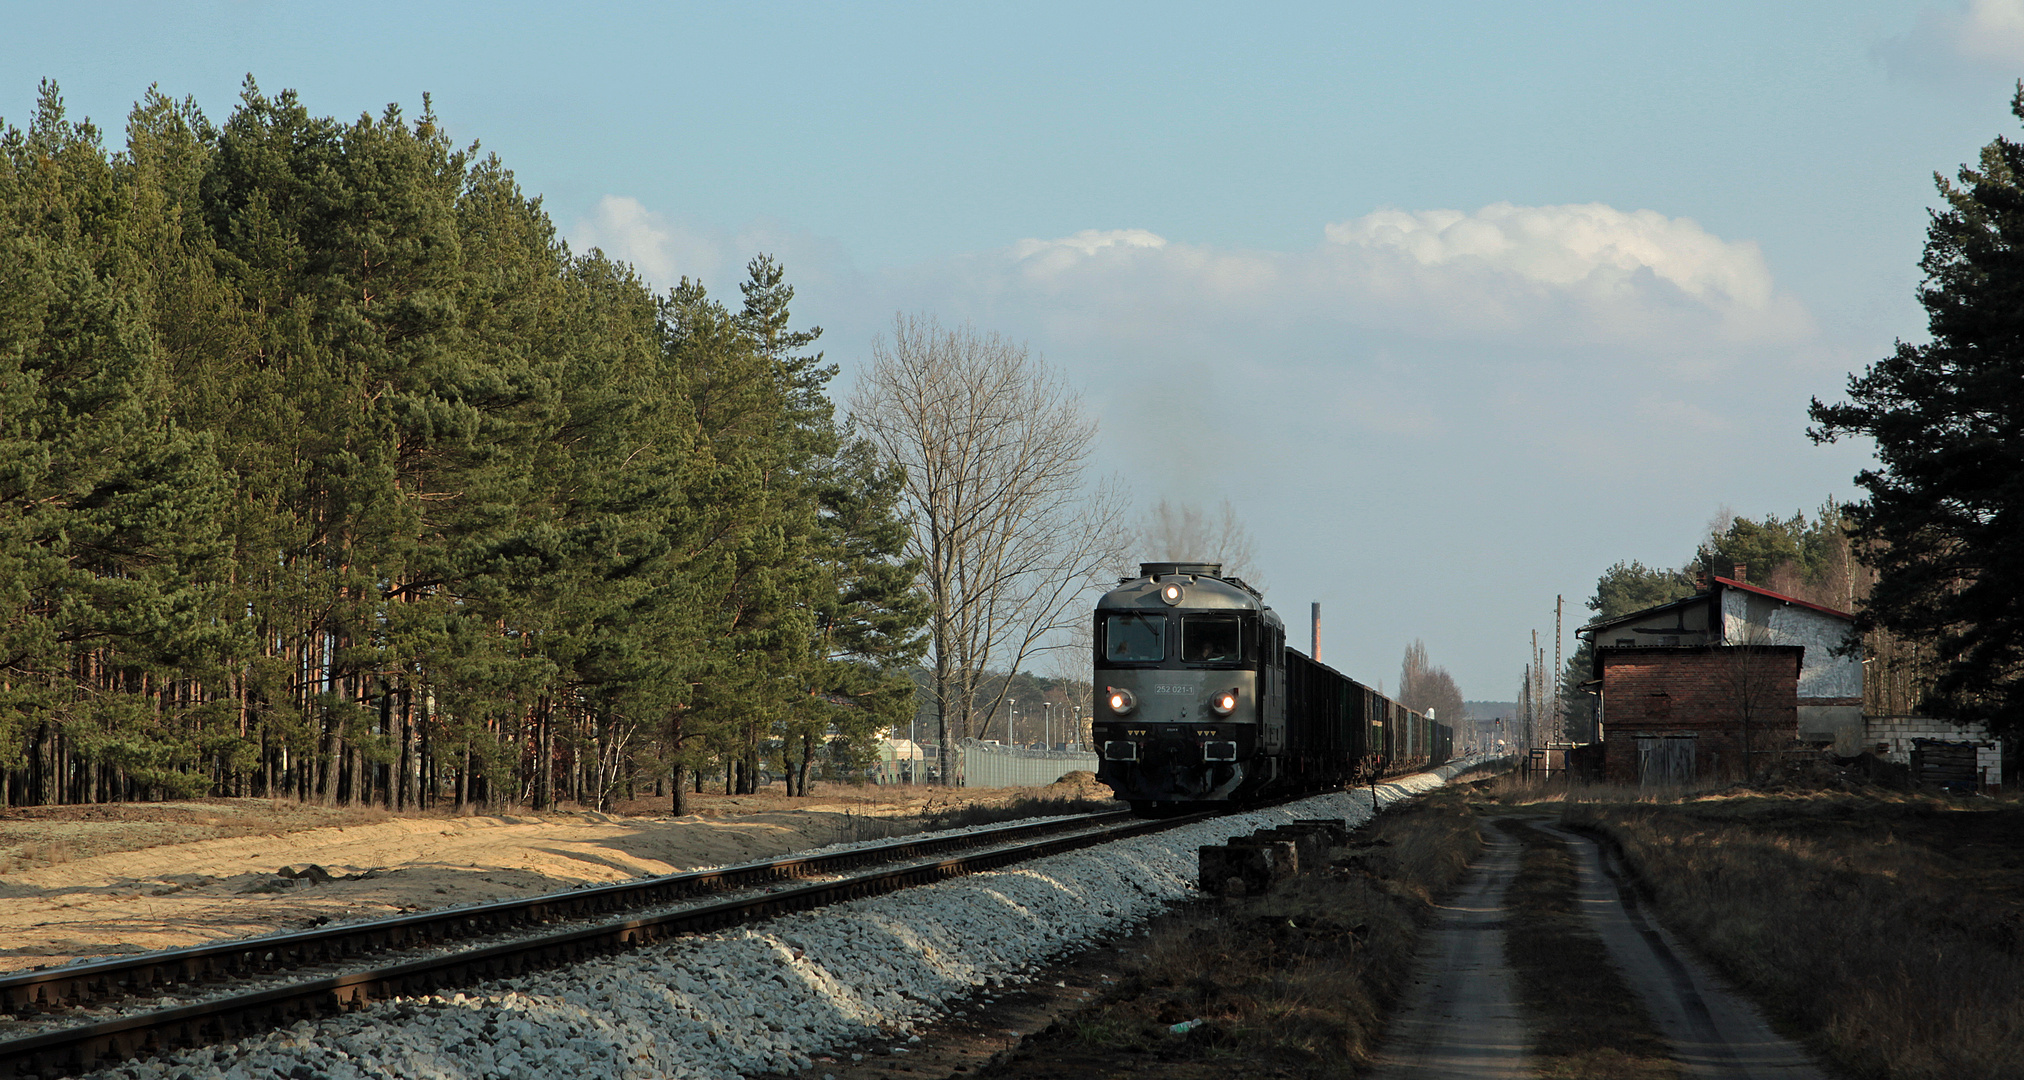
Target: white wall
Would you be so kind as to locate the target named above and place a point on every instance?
(1821, 673)
(1891, 737)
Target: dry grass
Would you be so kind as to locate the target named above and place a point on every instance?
(1053, 801)
(914, 801)
(1586, 1022)
(1883, 928)
(1295, 982)
(32, 837)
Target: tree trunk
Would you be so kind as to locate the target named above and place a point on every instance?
(544, 758)
(943, 769)
(328, 795)
(807, 762)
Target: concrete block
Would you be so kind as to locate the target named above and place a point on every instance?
(1310, 846)
(1246, 867)
(1337, 828)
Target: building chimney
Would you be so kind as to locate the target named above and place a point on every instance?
(1314, 645)
(1742, 573)
(1701, 580)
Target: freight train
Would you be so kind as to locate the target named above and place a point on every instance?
(1199, 701)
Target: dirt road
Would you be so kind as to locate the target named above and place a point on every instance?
(1459, 1019)
(1714, 1033)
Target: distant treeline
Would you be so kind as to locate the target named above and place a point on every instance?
(327, 471)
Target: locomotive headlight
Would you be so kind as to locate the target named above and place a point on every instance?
(1120, 701)
(1224, 702)
(1171, 594)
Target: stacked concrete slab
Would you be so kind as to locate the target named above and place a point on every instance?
(1251, 865)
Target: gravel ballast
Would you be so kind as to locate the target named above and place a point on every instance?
(868, 974)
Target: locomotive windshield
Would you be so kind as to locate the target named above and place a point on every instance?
(1135, 638)
(1212, 639)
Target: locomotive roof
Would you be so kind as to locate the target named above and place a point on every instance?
(1200, 585)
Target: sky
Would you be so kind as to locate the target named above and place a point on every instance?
(1456, 304)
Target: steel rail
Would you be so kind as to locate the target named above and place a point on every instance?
(72, 985)
(84, 1047)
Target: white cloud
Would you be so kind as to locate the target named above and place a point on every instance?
(1992, 31)
(1089, 242)
(1568, 246)
(1584, 274)
(1542, 277)
(1989, 34)
(662, 250)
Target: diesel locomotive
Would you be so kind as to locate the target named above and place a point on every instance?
(1200, 702)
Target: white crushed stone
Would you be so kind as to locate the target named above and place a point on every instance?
(119, 1008)
(766, 997)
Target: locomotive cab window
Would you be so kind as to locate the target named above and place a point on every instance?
(1212, 639)
(1134, 639)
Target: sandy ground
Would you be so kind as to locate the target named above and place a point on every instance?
(94, 881)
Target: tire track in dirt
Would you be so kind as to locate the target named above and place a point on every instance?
(1714, 1032)
(1459, 1019)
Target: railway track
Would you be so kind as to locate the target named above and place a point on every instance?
(227, 1015)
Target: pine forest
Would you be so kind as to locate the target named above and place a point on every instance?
(328, 472)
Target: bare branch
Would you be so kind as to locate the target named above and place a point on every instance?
(1010, 534)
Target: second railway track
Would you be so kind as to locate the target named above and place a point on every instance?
(227, 1014)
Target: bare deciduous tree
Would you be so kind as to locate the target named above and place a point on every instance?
(1008, 528)
(1186, 533)
(1424, 686)
(1751, 687)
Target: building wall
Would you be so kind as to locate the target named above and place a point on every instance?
(1836, 721)
(1891, 737)
(1685, 624)
(1823, 675)
(1651, 693)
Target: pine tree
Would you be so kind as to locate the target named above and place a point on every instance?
(327, 470)
(108, 507)
(1944, 521)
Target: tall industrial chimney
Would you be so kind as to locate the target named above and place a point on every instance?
(1314, 648)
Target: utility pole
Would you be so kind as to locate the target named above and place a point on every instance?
(1538, 694)
(1559, 720)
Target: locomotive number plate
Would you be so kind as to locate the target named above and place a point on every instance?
(1170, 688)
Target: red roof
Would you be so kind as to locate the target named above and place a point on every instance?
(1761, 591)
(1699, 596)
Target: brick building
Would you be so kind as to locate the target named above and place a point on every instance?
(1675, 713)
(1731, 611)
(1673, 680)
